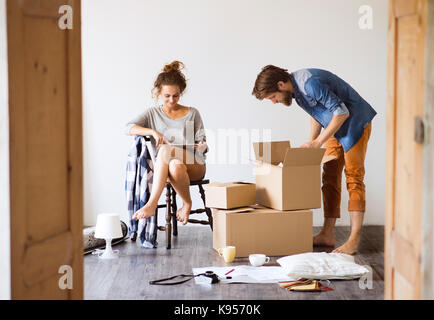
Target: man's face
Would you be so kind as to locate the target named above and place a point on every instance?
(281, 96)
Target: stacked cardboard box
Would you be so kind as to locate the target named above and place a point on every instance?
(288, 186)
(288, 178)
(257, 229)
(230, 195)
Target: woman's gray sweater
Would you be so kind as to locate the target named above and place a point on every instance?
(188, 130)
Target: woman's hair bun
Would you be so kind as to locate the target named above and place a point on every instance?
(171, 75)
(174, 66)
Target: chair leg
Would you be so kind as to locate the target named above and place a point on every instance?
(209, 214)
(174, 209)
(207, 210)
(168, 219)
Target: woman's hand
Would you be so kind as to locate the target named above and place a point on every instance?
(201, 147)
(159, 138)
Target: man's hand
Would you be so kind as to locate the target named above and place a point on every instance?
(311, 144)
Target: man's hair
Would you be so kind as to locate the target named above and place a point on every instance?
(266, 82)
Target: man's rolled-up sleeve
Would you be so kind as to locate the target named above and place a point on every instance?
(322, 93)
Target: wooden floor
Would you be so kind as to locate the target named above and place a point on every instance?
(128, 277)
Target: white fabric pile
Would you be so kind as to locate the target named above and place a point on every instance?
(322, 265)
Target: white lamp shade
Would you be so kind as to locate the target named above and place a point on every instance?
(108, 226)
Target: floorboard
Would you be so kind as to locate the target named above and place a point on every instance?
(127, 278)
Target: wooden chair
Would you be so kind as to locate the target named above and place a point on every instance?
(171, 208)
(171, 225)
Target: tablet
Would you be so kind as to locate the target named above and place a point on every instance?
(184, 146)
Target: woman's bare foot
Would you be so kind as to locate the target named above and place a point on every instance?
(146, 211)
(323, 239)
(183, 213)
(349, 247)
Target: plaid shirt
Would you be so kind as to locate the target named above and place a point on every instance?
(138, 185)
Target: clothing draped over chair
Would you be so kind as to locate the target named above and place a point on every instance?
(138, 186)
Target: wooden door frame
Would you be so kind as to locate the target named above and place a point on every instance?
(23, 251)
(5, 244)
(426, 271)
(428, 163)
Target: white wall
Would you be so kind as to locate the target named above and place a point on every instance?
(224, 44)
(5, 270)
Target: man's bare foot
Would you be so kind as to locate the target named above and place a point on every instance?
(183, 213)
(322, 239)
(146, 211)
(349, 247)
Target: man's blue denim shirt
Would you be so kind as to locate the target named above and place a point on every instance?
(323, 94)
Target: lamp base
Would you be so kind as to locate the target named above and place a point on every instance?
(108, 253)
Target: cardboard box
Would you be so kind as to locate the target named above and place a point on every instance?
(229, 195)
(257, 229)
(288, 178)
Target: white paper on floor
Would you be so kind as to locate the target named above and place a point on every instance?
(246, 274)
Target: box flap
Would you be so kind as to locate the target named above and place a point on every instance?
(253, 207)
(239, 210)
(271, 152)
(303, 157)
(257, 206)
(226, 184)
(237, 184)
(328, 158)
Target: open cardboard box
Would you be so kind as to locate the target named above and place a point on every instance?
(288, 178)
(256, 229)
(229, 195)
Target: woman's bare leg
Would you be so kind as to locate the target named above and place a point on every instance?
(180, 175)
(161, 172)
(180, 181)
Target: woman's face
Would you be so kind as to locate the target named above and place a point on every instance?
(170, 95)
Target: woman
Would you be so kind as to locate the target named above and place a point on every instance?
(178, 136)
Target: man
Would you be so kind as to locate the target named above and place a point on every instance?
(341, 120)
